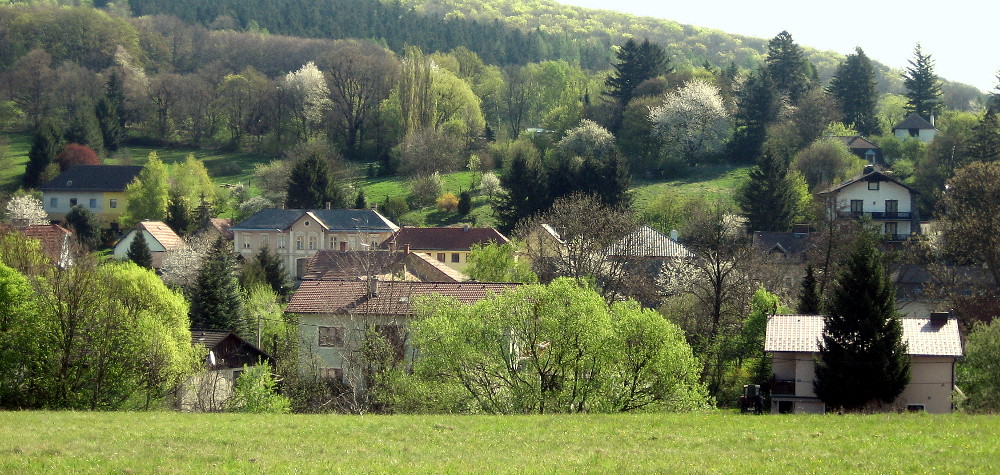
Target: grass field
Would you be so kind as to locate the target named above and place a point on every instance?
(36, 442)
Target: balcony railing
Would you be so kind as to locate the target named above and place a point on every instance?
(879, 215)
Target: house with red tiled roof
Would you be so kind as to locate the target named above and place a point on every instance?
(56, 241)
(159, 238)
(933, 344)
(448, 245)
(335, 315)
(381, 264)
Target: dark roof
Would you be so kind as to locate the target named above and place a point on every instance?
(443, 239)
(856, 142)
(367, 220)
(647, 242)
(790, 244)
(914, 121)
(390, 298)
(913, 281)
(870, 176)
(93, 178)
(229, 350)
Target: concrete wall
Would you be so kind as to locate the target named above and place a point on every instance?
(343, 357)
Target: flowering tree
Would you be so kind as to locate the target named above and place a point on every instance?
(310, 94)
(692, 121)
(26, 210)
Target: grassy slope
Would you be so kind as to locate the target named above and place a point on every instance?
(230, 168)
(174, 442)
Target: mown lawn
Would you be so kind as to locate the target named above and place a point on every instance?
(37, 442)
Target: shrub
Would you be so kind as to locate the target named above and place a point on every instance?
(425, 189)
(76, 154)
(255, 392)
(447, 202)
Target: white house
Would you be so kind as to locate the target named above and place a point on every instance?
(294, 235)
(933, 343)
(159, 239)
(876, 195)
(916, 127)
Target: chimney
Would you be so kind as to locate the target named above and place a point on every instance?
(674, 235)
(329, 205)
(465, 228)
(374, 206)
(940, 318)
(406, 248)
(373, 286)
(281, 205)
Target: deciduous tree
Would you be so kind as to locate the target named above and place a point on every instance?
(148, 194)
(692, 122)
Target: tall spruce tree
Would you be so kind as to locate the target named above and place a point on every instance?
(216, 303)
(85, 225)
(768, 198)
(985, 143)
(787, 65)
(923, 87)
(45, 144)
(179, 216)
(809, 299)
(862, 357)
(311, 184)
(138, 250)
(524, 192)
(757, 107)
(635, 63)
(853, 86)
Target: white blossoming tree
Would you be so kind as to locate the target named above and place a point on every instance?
(693, 122)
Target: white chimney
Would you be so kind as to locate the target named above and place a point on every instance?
(674, 235)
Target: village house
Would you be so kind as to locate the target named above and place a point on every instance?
(915, 126)
(56, 241)
(382, 265)
(874, 194)
(334, 317)
(862, 148)
(159, 239)
(225, 356)
(933, 343)
(448, 245)
(99, 188)
(295, 235)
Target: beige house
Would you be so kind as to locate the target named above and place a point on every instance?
(294, 235)
(890, 204)
(159, 239)
(450, 246)
(933, 343)
(334, 317)
(226, 354)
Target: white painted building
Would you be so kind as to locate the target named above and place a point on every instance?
(914, 126)
(891, 205)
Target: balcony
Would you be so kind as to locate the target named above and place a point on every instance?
(879, 215)
(782, 387)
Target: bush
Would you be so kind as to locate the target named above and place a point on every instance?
(447, 202)
(76, 154)
(425, 189)
(394, 207)
(255, 392)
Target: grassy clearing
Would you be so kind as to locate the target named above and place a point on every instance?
(685, 443)
(17, 156)
(713, 183)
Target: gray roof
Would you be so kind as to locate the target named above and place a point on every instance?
(790, 244)
(367, 220)
(914, 121)
(870, 176)
(648, 243)
(802, 334)
(93, 178)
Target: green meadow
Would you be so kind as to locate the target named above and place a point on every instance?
(36, 442)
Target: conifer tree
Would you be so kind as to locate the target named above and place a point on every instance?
(612, 187)
(524, 186)
(768, 198)
(84, 127)
(110, 112)
(464, 202)
(178, 213)
(360, 201)
(809, 299)
(311, 184)
(138, 251)
(862, 358)
(923, 87)
(45, 144)
(757, 107)
(853, 86)
(635, 63)
(985, 143)
(215, 299)
(85, 225)
(788, 67)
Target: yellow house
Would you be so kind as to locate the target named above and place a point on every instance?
(99, 188)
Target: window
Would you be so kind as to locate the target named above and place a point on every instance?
(306, 223)
(914, 407)
(333, 243)
(332, 374)
(890, 229)
(873, 185)
(857, 206)
(914, 132)
(298, 243)
(440, 257)
(263, 241)
(455, 257)
(113, 203)
(281, 242)
(331, 336)
(891, 207)
(53, 202)
(72, 202)
(312, 242)
(93, 203)
(246, 242)
(236, 375)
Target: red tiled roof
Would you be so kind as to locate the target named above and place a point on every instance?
(54, 238)
(442, 239)
(391, 298)
(802, 333)
(163, 234)
(349, 265)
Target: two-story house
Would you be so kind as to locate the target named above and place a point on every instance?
(99, 188)
(294, 235)
(874, 194)
(448, 245)
(933, 344)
